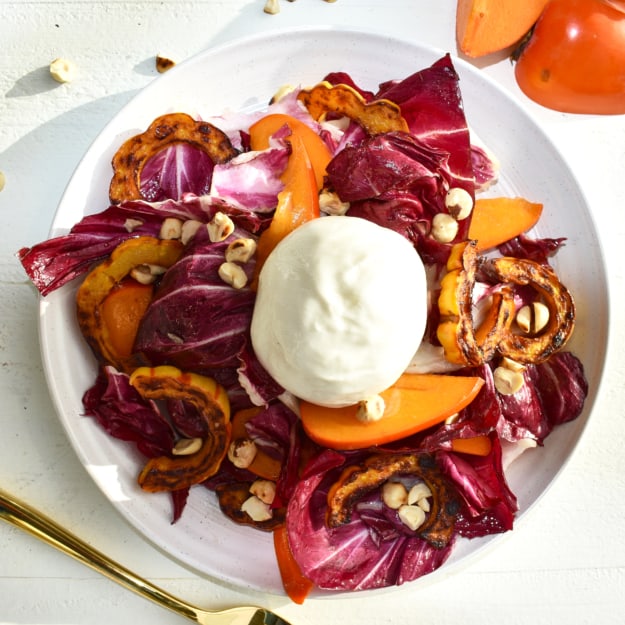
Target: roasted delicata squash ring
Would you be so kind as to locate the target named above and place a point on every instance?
(132, 253)
(357, 481)
(375, 117)
(463, 343)
(166, 473)
(163, 132)
(536, 348)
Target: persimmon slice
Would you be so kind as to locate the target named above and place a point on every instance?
(497, 220)
(414, 403)
(318, 152)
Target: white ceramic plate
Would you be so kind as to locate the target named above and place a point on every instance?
(242, 76)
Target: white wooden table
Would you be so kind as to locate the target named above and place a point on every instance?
(563, 565)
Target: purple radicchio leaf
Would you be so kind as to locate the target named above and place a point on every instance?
(485, 168)
(554, 393)
(175, 171)
(276, 430)
(349, 557)
(55, 262)
(196, 321)
(538, 250)
(252, 179)
(488, 504)
(126, 415)
(253, 377)
(431, 103)
(479, 418)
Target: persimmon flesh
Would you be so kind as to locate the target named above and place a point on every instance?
(414, 403)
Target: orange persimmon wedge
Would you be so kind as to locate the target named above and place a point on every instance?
(121, 312)
(414, 403)
(318, 152)
(487, 26)
(475, 445)
(298, 203)
(296, 585)
(497, 220)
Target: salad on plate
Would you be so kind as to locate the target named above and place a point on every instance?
(323, 315)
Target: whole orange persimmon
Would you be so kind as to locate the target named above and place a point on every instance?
(574, 59)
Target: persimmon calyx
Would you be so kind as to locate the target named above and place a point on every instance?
(521, 347)
(163, 132)
(99, 282)
(209, 398)
(359, 480)
(375, 117)
(464, 343)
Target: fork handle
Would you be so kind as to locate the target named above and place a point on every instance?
(30, 520)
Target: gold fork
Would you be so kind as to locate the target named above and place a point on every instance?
(30, 520)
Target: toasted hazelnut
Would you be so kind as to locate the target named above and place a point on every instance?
(533, 318)
(444, 228)
(265, 490)
(188, 230)
(132, 224)
(272, 7)
(171, 228)
(256, 509)
(394, 494)
(240, 250)
(62, 70)
(419, 492)
(220, 227)
(187, 446)
(242, 452)
(412, 516)
(508, 382)
(331, 204)
(370, 409)
(146, 274)
(232, 274)
(163, 63)
(513, 365)
(459, 203)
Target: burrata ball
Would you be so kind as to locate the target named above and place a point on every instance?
(340, 311)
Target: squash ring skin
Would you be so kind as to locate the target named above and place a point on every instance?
(559, 301)
(359, 480)
(98, 283)
(463, 343)
(163, 132)
(375, 117)
(165, 473)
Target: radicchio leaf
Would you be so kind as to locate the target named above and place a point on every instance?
(489, 505)
(196, 321)
(126, 415)
(538, 250)
(175, 171)
(431, 103)
(554, 393)
(351, 556)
